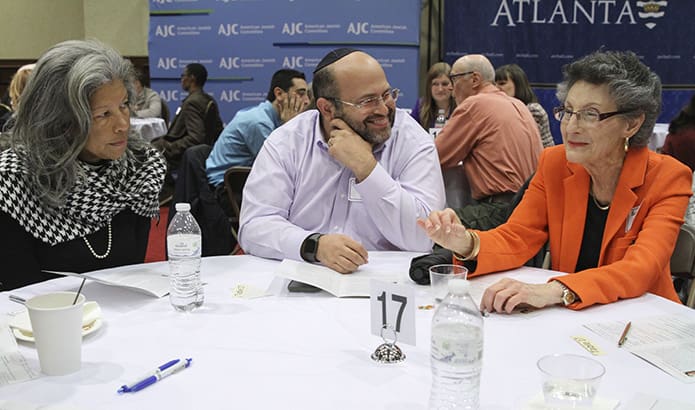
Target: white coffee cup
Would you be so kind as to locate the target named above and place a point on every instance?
(57, 325)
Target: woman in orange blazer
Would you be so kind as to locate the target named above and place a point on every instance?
(610, 208)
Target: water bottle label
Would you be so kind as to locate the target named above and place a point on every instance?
(183, 245)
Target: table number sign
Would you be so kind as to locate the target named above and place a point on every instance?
(392, 306)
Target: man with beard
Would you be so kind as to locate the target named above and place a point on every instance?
(351, 176)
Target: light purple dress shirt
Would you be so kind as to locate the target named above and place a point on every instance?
(296, 188)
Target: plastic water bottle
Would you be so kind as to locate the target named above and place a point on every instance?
(183, 249)
(440, 120)
(457, 350)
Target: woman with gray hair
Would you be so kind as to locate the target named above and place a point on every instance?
(78, 187)
(610, 208)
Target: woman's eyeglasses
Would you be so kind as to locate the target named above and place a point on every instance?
(587, 117)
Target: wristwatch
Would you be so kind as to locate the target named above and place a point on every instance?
(309, 247)
(568, 297)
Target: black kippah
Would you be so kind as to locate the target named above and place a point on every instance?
(334, 56)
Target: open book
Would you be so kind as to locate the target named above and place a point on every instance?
(143, 278)
(384, 266)
(667, 342)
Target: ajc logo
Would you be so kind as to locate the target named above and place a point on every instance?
(229, 62)
(230, 95)
(293, 28)
(228, 29)
(293, 62)
(167, 63)
(164, 31)
(358, 28)
(169, 95)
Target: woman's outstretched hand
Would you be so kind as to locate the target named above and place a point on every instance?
(445, 229)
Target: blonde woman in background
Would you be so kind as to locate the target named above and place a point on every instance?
(19, 81)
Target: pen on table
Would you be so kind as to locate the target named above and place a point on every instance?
(18, 299)
(623, 337)
(158, 374)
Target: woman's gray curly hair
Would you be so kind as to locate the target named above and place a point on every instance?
(55, 117)
(632, 85)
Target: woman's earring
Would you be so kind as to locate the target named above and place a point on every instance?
(627, 144)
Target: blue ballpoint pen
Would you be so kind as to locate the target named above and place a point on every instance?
(161, 372)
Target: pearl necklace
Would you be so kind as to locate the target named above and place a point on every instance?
(599, 206)
(108, 247)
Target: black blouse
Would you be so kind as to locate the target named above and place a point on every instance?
(593, 235)
(22, 257)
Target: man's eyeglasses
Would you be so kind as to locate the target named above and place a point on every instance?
(372, 102)
(590, 117)
(453, 77)
(184, 75)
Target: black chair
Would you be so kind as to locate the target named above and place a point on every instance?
(192, 187)
(683, 264)
(234, 181)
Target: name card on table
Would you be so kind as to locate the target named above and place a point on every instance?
(393, 306)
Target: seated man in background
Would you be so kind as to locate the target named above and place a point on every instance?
(189, 126)
(243, 137)
(351, 176)
(494, 135)
(147, 103)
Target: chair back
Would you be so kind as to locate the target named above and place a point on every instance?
(234, 181)
(683, 262)
(213, 123)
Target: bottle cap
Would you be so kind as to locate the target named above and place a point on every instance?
(458, 286)
(183, 206)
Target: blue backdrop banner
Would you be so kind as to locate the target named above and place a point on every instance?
(543, 35)
(242, 43)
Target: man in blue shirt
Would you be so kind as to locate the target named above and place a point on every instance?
(244, 136)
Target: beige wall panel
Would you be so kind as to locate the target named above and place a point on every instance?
(120, 23)
(29, 27)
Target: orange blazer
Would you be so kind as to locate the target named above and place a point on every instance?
(640, 233)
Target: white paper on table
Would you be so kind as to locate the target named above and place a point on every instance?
(384, 266)
(13, 366)
(141, 278)
(667, 342)
(643, 401)
(538, 403)
(16, 405)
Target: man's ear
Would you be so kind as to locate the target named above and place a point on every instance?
(325, 107)
(279, 93)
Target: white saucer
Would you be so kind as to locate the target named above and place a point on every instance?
(29, 337)
(21, 325)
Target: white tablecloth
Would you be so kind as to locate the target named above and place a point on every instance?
(311, 351)
(149, 128)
